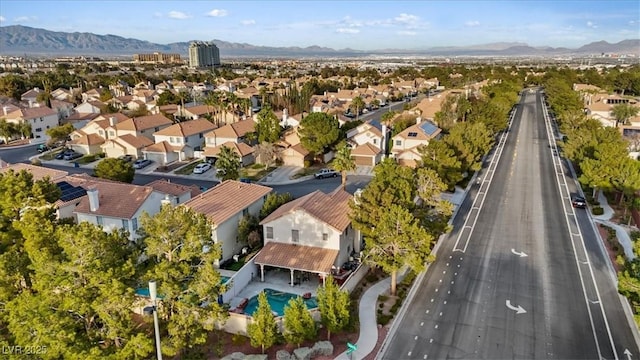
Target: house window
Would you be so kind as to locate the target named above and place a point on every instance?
(200, 135)
(157, 129)
(295, 236)
(134, 224)
(99, 220)
(375, 141)
(38, 129)
(41, 119)
(269, 234)
(325, 236)
(245, 212)
(112, 133)
(101, 132)
(125, 224)
(171, 140)
(186, 140)
(398, 142)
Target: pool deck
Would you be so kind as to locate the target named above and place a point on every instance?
(276, 280)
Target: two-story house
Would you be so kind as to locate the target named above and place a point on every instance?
(40, 119)
(405, 145)
(178, 141)
(367, 142)
(225, 205)
(116, 206)
(89, 139)
(312, 234)
(132, 136)
(233, 136)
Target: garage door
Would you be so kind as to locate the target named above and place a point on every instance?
(363, 160)
(157, 158)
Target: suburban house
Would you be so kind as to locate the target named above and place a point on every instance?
(367, 142)
(405, 145)
(234, 132)
(114, 205)
(39, 118)
(89, 139)
(225, 205)
(312, 234)
(90, 106)
(244, 151)
(125, 145)
(177, 193)
(38, 172)
(599, 107)
(178, 141)
(292, 152)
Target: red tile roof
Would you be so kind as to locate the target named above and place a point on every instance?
(227, 199)
(298, 257)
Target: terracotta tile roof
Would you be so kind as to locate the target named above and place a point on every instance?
(298, 257)
(80, 117)
(120, 117)
(187, 128)
(234, 130)
(419, 130)
(300, 149)
(241, 149)
(38, 172)
(161, 147)
(166, 187)
(137, 142)
(143, 123)
(366, 149)
(31, 113)
(199, 110)
(31, 93)
(116, 199)
(332, 208)
(227, 199)
(87, 139)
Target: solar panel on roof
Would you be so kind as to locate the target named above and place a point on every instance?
(412, 134)
(428, 128)
(70, 192)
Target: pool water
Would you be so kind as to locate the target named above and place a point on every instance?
(278, 300)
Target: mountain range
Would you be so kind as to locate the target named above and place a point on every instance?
(18, 40)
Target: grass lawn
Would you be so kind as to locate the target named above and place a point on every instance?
(188, 169)
(255, 172)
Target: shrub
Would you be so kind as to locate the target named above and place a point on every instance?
(383, 298)
(36, 162)
(597, 210)
(371, 278)
(383, 319)
(307, 163)
(238, 339)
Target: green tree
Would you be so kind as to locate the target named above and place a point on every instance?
(60, 133)
(399, 241)
(318, 131)
(115, 169)
(343, 162)
(228, 163)
(268, 126)
(470, 141)
(7, 130)
(623, 112)
(446, 117)
(626, 178)
(263, 330)
(181, 258)
(298, 323)
(333, 305)
(272, 202)
(357, 104)
(439, 156)
(24, 129)
(265, 153)
(247, 225)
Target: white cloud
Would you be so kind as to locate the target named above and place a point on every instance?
(347, 30)
(592, 25)
(248, 22)
(178, 15)
(25, 18)
(632, 22)
(2, 19)
(407, 33)
(472, 23)
(217, 13)
(406, 19)
(157, 14)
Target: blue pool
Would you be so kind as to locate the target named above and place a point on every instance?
(278, 300)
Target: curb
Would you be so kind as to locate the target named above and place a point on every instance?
(20, 146)
(299, 180)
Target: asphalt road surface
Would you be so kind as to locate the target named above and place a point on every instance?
(522, 275)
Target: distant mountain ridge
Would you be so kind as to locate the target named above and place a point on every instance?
(18, 39)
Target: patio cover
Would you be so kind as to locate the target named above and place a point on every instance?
(297, 257)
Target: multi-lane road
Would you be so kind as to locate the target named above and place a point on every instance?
(522, 275)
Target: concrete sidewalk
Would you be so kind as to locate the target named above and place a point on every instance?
(622, 232)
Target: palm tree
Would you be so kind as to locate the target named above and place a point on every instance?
(24, 128)
(228, 163)
(623, 112)
(343, 163)
(357, 103)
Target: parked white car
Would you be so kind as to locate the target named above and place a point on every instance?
(325, 173)
(202, 168)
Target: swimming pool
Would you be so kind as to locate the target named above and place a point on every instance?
(278, 300)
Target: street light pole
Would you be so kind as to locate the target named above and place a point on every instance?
(153, 293)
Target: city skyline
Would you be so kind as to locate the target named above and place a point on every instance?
(360, 25)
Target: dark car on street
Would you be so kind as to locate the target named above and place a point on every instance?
(72, 156)
(61, 154)
(579, 202)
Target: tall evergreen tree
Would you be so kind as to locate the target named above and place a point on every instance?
(333, 305)
(298, 323)
(263, 330)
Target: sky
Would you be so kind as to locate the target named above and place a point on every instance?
(339, 24)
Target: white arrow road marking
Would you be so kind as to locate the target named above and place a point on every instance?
(518, 309)
(521, 254)
(628, 353)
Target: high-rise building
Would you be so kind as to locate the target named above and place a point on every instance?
(203, 54)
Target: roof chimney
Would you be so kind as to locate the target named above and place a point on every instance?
(94, 201)
(418, 120)
(113, 121)
(30, 103)
(5, 109)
